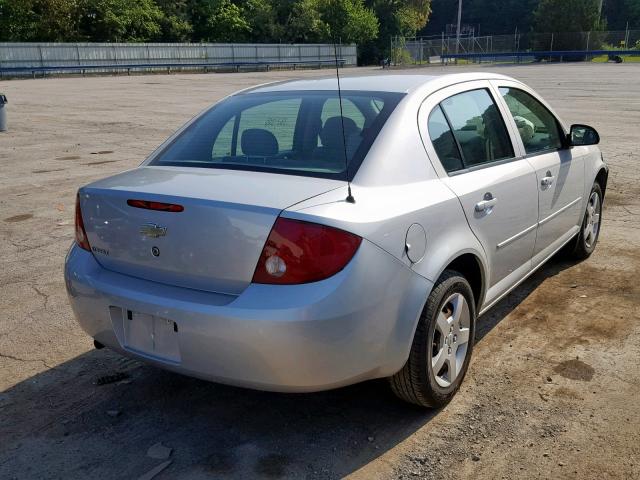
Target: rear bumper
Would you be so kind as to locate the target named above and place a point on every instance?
(354, 326)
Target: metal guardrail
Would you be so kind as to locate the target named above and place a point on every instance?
(168, 66)
(536, 54)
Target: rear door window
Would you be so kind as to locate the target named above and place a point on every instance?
(443, 141)
(478, 127)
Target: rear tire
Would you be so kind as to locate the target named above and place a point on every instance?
(442, 345)
(587, 238)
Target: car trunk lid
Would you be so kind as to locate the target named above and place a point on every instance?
(213, 244)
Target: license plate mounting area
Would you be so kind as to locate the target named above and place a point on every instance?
(151, 335)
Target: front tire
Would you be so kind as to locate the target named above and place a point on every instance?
(587, 238)
(442, 345)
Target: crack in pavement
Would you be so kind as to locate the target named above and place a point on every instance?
(42, 294)
(18, 359)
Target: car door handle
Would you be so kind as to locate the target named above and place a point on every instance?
(487, 204)
(547, 181)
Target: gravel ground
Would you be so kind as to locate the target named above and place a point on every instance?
(551, 393)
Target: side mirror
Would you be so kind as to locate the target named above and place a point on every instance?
(583, 135)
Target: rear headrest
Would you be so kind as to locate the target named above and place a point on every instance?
(257, 142)
(331, 133)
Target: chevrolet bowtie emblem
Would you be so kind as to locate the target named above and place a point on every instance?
(152, 230)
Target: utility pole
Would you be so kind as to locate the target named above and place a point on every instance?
(626, 36)
(459, 21)
(600, 12)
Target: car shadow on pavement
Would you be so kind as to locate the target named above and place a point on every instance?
(62, 424)
(504, 307)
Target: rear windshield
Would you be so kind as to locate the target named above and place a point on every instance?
(299, 132)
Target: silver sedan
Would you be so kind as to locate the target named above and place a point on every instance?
(295, 237)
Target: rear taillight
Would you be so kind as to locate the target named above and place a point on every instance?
(81, 235)
(303, 252)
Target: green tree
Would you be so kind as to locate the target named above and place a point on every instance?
(218, 21)
(18, 20)
(228, 23)
(566, 19)
(38, 20)
(349, 20)
(120, 20)
(306, 23)
(567, 16)
(396, 17)
(175, 25)
(331, 20)
(412, 16)
(368, 23)
(490, 17)
(263, 21)
(619, 13)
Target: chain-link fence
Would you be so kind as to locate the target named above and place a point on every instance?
(421, 50)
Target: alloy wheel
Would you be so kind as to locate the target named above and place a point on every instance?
(450, 341)
(592, 221)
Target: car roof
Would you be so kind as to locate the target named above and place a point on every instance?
(399, 83)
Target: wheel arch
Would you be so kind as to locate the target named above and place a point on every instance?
(601, 178)
(471, 266)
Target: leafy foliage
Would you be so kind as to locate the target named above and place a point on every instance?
(488, 16)
(38, 20)
(567, 16)
(369, 23)
(218, 21)
(306, 23)
(119, 20)
(620, 13)
(263, 20)
(174, 25)
(349, 20)
(188, 20)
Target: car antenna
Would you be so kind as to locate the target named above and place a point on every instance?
(350, 198)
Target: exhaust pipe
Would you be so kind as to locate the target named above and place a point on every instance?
(98, 345)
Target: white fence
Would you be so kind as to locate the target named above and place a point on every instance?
(42, 55)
